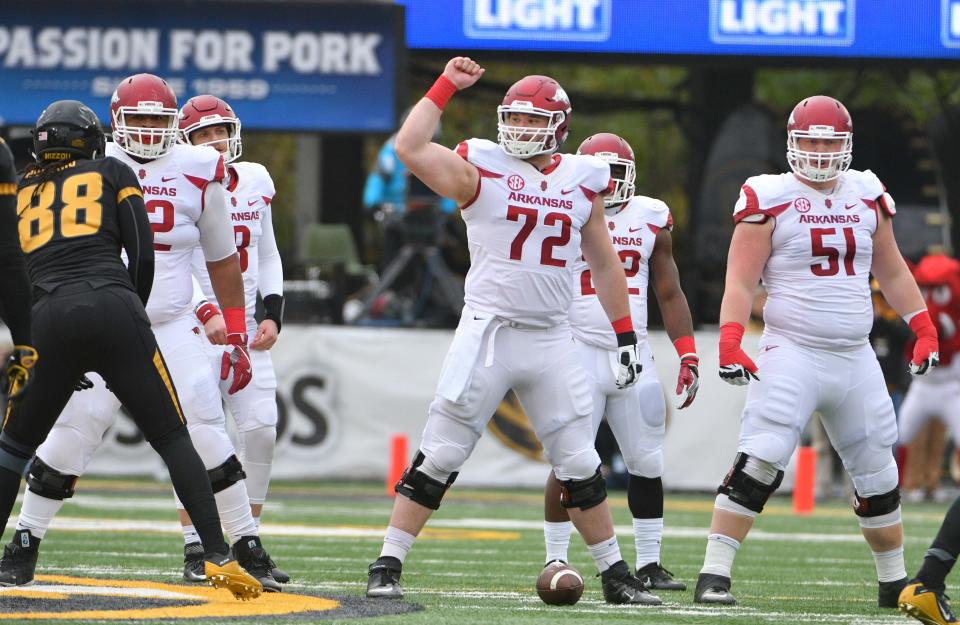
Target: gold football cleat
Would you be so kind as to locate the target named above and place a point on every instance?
(225, 572)
(925, 605)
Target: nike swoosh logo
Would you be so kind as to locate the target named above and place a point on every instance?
(168, 179)
(567, 191)
(251, 202)
(849, 206)
(636, 229)
(769, 347)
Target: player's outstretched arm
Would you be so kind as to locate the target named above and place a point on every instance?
(14, 283)
(676, 316)
(750, 248)
(901, 292)
(437, 166)
(136, 237)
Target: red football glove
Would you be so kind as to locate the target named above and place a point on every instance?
(735, 366)
(688, 381)
(236, 360)
(926, 350)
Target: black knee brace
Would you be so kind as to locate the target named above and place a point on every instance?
(226, 475)
(877, 505)
(44, 480)
(420, 488)
(584, 494)
(746, 490)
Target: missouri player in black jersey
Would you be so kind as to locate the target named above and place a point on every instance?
(76, 210)
(14, 285)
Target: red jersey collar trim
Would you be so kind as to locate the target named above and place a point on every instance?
(552, 166)
(234, 179)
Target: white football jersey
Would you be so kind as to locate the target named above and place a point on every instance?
(523, 228)
(249, 195)
(173, 193)
(633, 231)
(818, 274)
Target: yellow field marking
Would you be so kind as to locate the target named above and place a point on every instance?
(431, 533)
(214, 603)
(27, 593)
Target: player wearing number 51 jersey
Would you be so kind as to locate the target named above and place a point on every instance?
(814, 237)
(530, 213)
(187, 210)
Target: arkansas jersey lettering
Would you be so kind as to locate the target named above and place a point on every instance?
(159, 191)
(830, 219)
(537, 200)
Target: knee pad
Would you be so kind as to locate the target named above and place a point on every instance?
(420, 488)
(167, 438)
(584, 494)
(44, 480)
(649, 465)
(211, 442)
(14, 456)
(258, 446)
(877, 505)
(226, 475)
(750, 482)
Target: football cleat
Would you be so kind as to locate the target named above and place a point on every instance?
(225, 572)
(193, 563)
(925, 605)
(620, 586)
(254, 558)
(278, 574)
(655, 577)
(713, 589)
(889, 592)
(383, 578)
(19, 559)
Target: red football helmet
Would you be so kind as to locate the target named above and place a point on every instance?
(207, 110)
(534, 95)
(144, 94)
(819, 117)
(616, 151)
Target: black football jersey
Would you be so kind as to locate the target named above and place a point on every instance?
(69, 228)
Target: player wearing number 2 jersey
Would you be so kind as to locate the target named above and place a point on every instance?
(207, 120)
(814, 237)
(640, 230)
(185, 202)
(76, 209)
(529, 211)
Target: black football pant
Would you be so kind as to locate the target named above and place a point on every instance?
(77, 329)
(943, 552)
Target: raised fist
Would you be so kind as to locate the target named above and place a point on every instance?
(463, 71)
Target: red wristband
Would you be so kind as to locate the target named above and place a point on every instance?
(235, 319)
(205, 311)
(441, 91)
(922, 325)
(731, 331)
(622, 325)
(685, 345)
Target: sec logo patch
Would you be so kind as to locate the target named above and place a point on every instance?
(515, 182)
(802, 205)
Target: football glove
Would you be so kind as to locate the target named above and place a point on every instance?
(926, 351)
(688, 382)
(735, 366)
(17, 374)
(83, 383)
(628, 359)
(237, 362)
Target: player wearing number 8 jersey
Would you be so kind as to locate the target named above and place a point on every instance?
(76, 210)
(814, 237)
(529, 212)
(207, 120)
(185, 203)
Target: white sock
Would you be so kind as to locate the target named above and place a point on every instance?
(37, 513)
(721, 550)
(556, 535)
(235, 516)
(890, 566)
(190, 534)
(647, 534)
(397, 543)
(605, 553)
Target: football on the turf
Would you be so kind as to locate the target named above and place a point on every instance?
(559, 584)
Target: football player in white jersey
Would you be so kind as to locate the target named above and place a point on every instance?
(185, 202)
(208, 120)
(640, 230)
(529, 211)
(814, 236)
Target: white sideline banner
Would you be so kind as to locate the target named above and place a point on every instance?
(345, 391)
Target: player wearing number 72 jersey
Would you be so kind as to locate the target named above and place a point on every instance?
(814, 236)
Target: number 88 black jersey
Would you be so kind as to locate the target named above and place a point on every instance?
(71, 229)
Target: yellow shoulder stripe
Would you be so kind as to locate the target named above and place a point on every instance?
(127, 192)
(8, 188)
